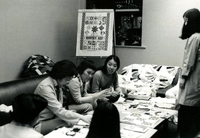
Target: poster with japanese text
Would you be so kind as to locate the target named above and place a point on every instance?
(95, 32)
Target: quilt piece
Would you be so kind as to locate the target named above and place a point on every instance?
(141, 120)
(142, 80)
(95, 32)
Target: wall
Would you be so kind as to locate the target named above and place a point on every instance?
(28, 27)
(49, 27)
(162, 24)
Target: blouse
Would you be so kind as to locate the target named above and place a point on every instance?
(190, 94)
(16, 130)
(46, 89)
(78, 91)
(103, 81)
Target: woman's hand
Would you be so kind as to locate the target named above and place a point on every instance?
(104, 93)
(86, 118)
(120, 92)
(115, 93)
(182, 83)
(170, 95)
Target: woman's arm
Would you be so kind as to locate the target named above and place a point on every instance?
(96, 82)
(56, 107)
(96, 89)
(76, 88)
(189, 60)
(190, 55)
(116, 86)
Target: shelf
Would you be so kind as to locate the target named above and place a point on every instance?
(128, 24)
(136, 47)
(127, 10)
(127, 20)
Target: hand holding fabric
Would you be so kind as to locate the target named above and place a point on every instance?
(104, 93)
(115, 93)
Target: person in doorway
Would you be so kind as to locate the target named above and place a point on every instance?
(189, 94)
(55, 115)
(26, 108)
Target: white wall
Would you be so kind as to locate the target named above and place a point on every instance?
(46, 27)
(162, 24)
(49, 27)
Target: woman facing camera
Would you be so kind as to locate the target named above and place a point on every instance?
(78, 99)
(105, 122)
(106, 78)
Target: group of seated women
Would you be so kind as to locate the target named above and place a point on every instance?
(89, 87)
(84, 88)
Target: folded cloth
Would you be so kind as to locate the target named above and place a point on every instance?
(5, 108)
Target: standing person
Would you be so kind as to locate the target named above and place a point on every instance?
(107, 78)
(81, 101)
(105, 122)
(189, 94)
(26, 108)
(55, 115)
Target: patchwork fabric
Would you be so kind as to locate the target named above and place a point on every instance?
(37, 65)
(160, 76)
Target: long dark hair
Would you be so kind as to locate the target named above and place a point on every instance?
(193, 23)
(105, 122)
(115, 58)
(27, 107)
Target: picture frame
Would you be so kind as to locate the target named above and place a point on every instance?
(95, 32)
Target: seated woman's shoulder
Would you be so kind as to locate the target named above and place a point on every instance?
(98, 72)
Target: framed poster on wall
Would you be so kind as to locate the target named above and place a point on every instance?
(95, 32)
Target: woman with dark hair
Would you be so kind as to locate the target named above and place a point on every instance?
(55, 115)
(105, 122)
(189, 94)
(106, 78)
(26, 108)
(81, 101)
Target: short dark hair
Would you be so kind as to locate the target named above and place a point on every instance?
(105, 122)
(193, 23)
(63, 69)
(26, 107)
(115, 58)
(84, 65)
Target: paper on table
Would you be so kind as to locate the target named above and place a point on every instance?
(129, 134)
(141, 119)
(59, 133)
(120, 100)
(165, 105)
(136, 128)
(163, 100)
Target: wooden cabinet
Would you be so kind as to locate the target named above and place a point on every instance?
(128, 20)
